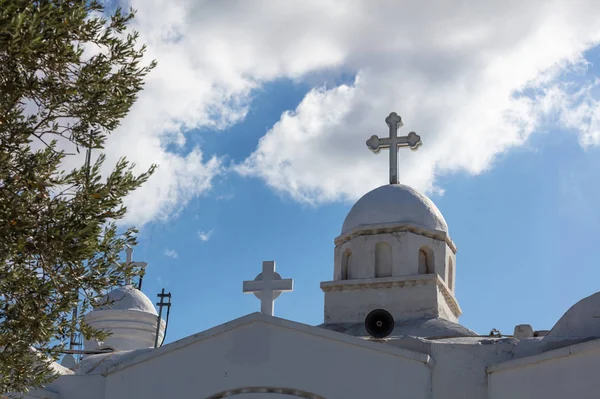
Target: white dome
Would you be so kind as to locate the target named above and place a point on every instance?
(127, 298)
(395, 203)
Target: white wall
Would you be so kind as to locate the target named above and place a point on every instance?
(405, 254)
(571, 372)
(260, 354)
(130, 329)
(79, 387)
(460, 368)
(416, 298)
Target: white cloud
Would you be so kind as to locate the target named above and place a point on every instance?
(171, 253)
(449, 69)
(205, 235)
(224, 197)
(577, 109)
(451, 72)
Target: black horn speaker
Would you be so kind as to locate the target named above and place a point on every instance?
(379, 323)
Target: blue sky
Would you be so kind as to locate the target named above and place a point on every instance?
(258, 116)
(526, 231)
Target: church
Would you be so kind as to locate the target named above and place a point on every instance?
(390, 328)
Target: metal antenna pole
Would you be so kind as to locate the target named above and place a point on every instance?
(160, 305)
(72, 342)
(88, 160)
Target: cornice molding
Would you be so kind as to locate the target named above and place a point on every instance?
(395, 282)
(387, 228)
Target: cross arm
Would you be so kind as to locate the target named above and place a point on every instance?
(252, 286)
(386, 142)
(413, 141)
(284, 285)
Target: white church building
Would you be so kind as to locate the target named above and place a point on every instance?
(391, 328)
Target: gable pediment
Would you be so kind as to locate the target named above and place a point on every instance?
(272, 354)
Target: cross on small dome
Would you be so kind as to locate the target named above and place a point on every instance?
(267, 286)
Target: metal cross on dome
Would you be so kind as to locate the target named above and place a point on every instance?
(375, 144)
(267, 286)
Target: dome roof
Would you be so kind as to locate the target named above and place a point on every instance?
(127, 298)
(395, 203)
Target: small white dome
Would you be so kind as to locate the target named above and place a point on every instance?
(395, 203)
(127, 298)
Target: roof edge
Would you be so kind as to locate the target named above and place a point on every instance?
(276, 321)
(571, 350)
(42, 393)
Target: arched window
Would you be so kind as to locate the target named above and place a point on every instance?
(259, 392)
(345, 263)
(450, 274)
(352, 267)
(425, 260)
(383, 260)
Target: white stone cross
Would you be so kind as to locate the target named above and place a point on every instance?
(267, 286)
(128, 259)
(375, 144)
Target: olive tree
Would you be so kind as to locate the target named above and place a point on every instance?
(69, 73)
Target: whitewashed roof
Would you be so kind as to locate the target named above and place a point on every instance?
(582, 320)
(111, 362)
(395, 203)
(127, 298)
(429, 328)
